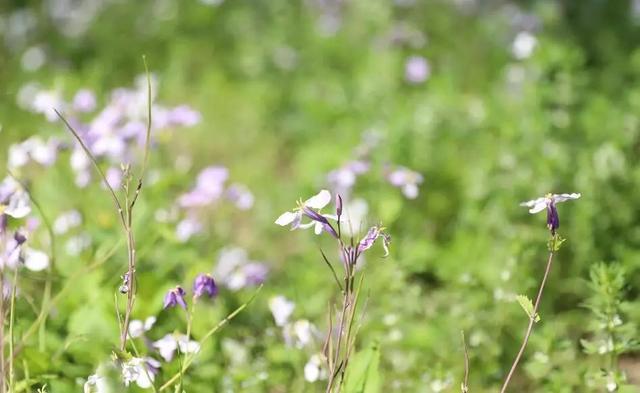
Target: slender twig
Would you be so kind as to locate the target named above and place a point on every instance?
(333, 271)
(46, 297)
(12, 310)
(2, 313)
(465, 381)
(532, 321)
(210, 333)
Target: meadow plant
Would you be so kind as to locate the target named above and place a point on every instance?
(611, 332)
(344, 322)
(548, 203)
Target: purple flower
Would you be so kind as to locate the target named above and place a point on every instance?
(183, 115)
(209, 187)
(204, 285)
(370, 238)
(315, 216)
(407, 180)
(417, 69)
(175, 297)
(84, 101)
(548, 202)
(255, 273)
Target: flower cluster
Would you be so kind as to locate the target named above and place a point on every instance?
(112, 134)
(210, 188)
(405, 179)
(203, 285)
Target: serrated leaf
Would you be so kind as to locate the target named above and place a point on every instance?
(527, 306)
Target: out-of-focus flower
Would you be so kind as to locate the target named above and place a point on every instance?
(33, 149)
(417, 69)
(209, 187)
(407, 180)
(523, 45)
(76, 244)
(374, 233)
(96, 384)
(184, 115)
(35, 260)
(142, 371)
(188, 227)
(548, 202)
(66, 221)
(175, 297)
(344, 178)
(46, 101)
(84, 101)
(137, 328)
(168, 344)
(300, 334)
(14, 200)
(314, 370)
(281, 309)
(240, 195)
(235, 271)
(114, 177)
(204, 285)
(310, 208)
(353, 218)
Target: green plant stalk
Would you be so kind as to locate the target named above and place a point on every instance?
(211, 332)
(532, 321)
(11, 323)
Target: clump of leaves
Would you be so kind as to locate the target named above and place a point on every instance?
(611, 334)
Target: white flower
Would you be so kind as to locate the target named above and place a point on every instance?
(137, 328)
(35, 260)
(294, 217)
(96, 384)
(523, 45)
(314, 370)
(14, 200)
(407, 180)
(539, 204)
(281, 309)
(299, 334)
(168, 344)
(67, 220)
(236, 271)
(141, 371)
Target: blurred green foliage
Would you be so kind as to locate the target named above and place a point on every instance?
(284, 101)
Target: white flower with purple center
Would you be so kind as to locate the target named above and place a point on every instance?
(548, 202)
(310, 208)
(407, 180)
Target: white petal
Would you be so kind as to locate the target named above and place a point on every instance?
(410, 190)
(148, 323)
(286, 218)
(538, 207)
(565, 197)
(320, 200)
(35, 260)
(136, 328)
(318, 228)
(533, 202)
(307, 225)
(281, 309)
(166, 346)
(19, 205)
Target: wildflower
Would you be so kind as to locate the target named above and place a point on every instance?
(14, 200)
(354, 214)
(370, 238)
(35, 260)
(204, 285)
(417, 69)
(84, 101)
(240, 196)
(523, 45)
(344, 178)
(168, 345)
(188, 227)
(314, 369)
(137, 328)
(549, 202)
(32, 149)
(209, 187)
(300, 333)
(142, 371)
(281, 309)
(407, 180)
(95, 384)
(65, 221)
(319, 221)
(175, 297)
(235, 271)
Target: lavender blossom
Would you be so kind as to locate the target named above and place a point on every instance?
(175, 297)
(84, 101)
(548, 202)
(235, 271)
(370, 238)
(204, 285)
(417, 69)
(407, 180)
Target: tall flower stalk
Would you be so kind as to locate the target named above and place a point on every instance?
(548, 203)
(125, 208)
(343, 325)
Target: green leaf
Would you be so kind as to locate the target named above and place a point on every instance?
(527, 306)
(363, 374)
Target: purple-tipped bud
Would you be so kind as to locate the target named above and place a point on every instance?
(553, 220)
(204, 285)
(175, 297)
(338, 206)
(19, 238)
(315, 216)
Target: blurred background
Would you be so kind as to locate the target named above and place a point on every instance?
(435, 118)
